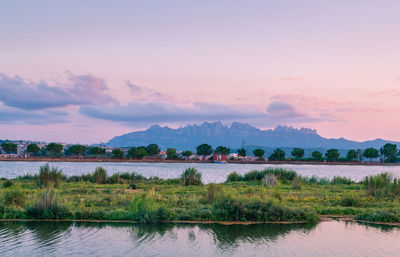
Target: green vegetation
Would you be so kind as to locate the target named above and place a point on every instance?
(259, 153)
(222, 150)
(263, 195)
(371, 153)
(277, 155)
(332, 154)
(298, 153)
(117, 153)
(33, 149)
(77, 149)
(171, 153)
(9, 147)
(242, 152)
(204, 149)
(54, 149)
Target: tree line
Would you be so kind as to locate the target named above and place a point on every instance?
(388, 153)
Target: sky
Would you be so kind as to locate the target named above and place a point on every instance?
(86, 71)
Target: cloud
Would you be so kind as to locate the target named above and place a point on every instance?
(144, 93)
(77, 90)
(283, 110)
(9, 115)
(158, 112)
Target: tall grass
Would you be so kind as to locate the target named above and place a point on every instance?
(259, 175)
(46, 207)
(191, 177)
(382, 185)
(50, 176)
(100, 175)
(14, 196)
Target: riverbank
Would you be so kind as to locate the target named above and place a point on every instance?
(159, 160)
(273, 195)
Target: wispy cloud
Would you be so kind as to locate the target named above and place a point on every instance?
(77, 90)
(9, 115)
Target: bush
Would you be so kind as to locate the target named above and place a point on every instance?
(337, 180)
(212, 192)
(50, 176)
(230, 209)
(144, 208)
(47, 208)
(270, 180)
(14, 196)
(297, 183)
(382, 185)
(100, 175)
(7, 183)
(191, 177)
(350, 200)
(279, 173)
(389, 215)
(233, 177)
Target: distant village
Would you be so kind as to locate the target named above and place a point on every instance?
(22, 149)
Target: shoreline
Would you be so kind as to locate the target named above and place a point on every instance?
(323, 218)
(64, 159)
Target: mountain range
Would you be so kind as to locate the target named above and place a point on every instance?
(216, 133)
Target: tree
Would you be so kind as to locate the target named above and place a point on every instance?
(9, 147)
(117, 153)
(171, 153)
(222, 150)
(137, 152)
(204, 149)
(152, 149)
(298, 153)
(259, 153)
(332, 154)
(77, 149)
(359, 154)
(351, 155)
(242, 152)
(389, 152)
(317, 155)
(187, 153)
(33, 149)
(54, 149)
(277, 155)
(97, 150)
(371, 153)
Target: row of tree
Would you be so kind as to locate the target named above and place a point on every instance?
(388, 153)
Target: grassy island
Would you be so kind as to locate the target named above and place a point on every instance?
(270, 195)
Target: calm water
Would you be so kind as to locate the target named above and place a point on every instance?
(329, 238)
(211, 172)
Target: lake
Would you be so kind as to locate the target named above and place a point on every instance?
(327, 238)
(211, 172)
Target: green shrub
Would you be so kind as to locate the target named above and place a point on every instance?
(230, 209)
(14, 196)
(382, 185)
(350, 200)
(50, 176)
(7, 183)
(337, 180)
(47, 208)
(100, 175)
(212, 192)
(270, 180)
(191, 177)
(233, 177)
(279, 173)
(145, 208)
(389, 215)
(297, 183)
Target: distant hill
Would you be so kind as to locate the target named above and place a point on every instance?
(215, 133)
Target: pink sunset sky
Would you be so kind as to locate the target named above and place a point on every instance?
(86, 71)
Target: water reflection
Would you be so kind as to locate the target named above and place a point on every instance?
(333, 238)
